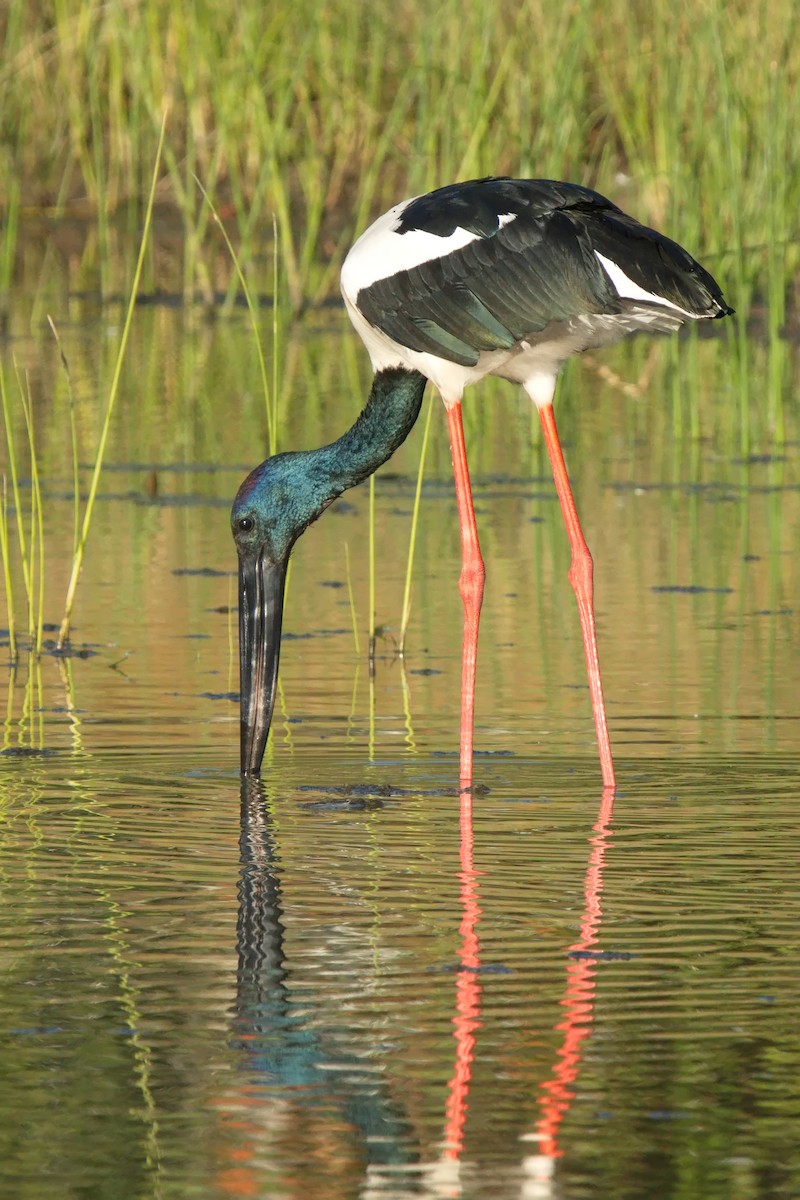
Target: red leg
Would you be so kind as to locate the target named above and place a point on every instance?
(470, 585)
(581, 578)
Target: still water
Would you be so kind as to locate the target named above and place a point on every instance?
(347, 983)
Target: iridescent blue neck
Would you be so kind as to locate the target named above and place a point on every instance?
(280, 498)
(385, 423)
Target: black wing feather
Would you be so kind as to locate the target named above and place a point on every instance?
(530, 271)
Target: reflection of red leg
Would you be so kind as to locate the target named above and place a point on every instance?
(581, 578)
(470, 585)
(578, 1002)
(468, 991)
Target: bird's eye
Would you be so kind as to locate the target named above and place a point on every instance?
(245, 524)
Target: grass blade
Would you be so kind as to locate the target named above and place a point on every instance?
(77, 561)
(412, 541)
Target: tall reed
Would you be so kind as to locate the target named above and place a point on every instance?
(5, 561)
(77, 561)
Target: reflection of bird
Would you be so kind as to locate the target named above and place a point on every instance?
(288, 1048)
(505, 277)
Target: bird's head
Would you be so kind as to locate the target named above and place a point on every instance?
(273, 506)
(276, 502)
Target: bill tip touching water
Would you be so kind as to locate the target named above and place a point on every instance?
(496, 277)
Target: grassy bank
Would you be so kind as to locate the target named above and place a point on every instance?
(321, 115)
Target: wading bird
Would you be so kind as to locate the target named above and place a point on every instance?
(507, 277)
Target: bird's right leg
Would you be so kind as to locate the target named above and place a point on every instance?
(473, 574)
(581, 576)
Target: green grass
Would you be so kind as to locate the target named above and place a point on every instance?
(319, 117)
(99, 458)
(30, 541)
(5, 560)
(412, 536)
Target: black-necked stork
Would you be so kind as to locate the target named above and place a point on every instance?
(507, 277)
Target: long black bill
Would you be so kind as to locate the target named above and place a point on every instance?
(261, 585)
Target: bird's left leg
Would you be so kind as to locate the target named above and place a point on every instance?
(473, 574)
